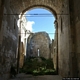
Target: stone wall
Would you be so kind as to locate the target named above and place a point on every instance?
(78, 46)
(41, 41)
(77, 27)
(28, 45)
(23, 43)
(55, 51)
(75, 22)
(8, 40)
(23, 5)
(60, 8)
(22, 55)
(63, 45)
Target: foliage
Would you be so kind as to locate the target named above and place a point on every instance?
(38, 66)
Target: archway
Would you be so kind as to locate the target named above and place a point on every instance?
(42, 7)
(60, 8)
(57, 12)
(22, 6)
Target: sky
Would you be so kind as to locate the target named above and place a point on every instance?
(38, 22)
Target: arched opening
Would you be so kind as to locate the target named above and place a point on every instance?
(24, 22)
(10, 11)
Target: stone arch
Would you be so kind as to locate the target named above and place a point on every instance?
(38, 6)
(45, 4)
(54, 6)
(22, 6)
(41, 6)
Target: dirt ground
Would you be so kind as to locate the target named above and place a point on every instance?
(23, 76)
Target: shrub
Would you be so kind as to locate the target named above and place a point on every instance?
(36, 66)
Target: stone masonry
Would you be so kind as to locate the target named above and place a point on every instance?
(41, 41)
(67, 15)
(8, 39)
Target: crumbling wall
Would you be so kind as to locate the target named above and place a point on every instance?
(55, 51)
(28, 45)
(9, 37)
(41, 41)
(58, 8)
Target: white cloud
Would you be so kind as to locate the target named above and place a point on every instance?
(29, 25)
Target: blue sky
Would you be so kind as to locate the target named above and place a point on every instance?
(41, 22)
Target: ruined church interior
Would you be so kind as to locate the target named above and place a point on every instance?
(15, 47)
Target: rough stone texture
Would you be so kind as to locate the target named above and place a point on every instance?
(55, 51)
(22, 56)
(24, 35)
(28, 45)
(59, 8)
(75, 26)
(56, 5)
(8, 41)
(63, 45)
(68, 31)
(42, 41)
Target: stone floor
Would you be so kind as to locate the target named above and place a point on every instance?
(23, 76)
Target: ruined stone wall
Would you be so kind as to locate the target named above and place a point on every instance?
(22, 56)
(23, 5)
(75, 21)
(28, 45)
(60, 7)
(8, 40)
(62, 51)
(52, 48)
(63, 41)
(63, 45)
(23, 43)
(55, 46)
(41, 41)
(55, 51)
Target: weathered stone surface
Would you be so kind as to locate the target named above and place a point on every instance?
(75, 29)
(56, 5)
(63, 45)
(41, 41)
(68, 17)
(8, 41)
(28, 45)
